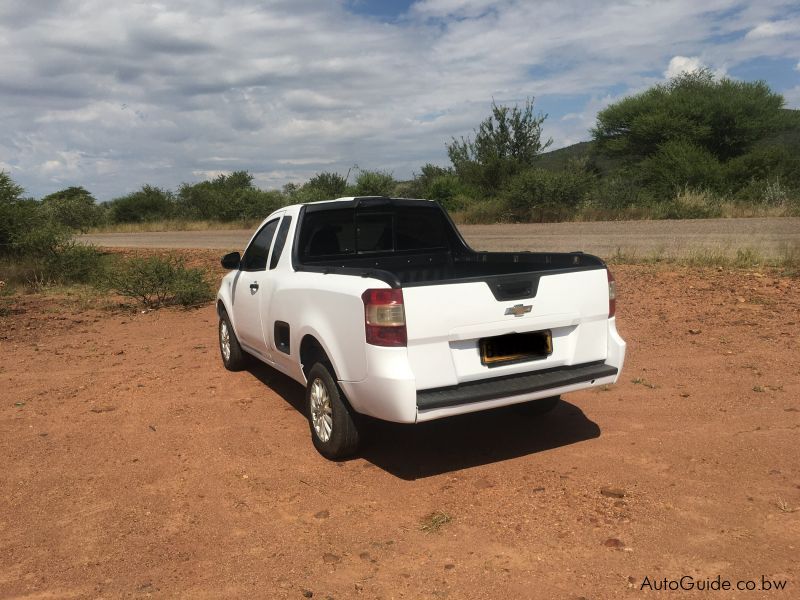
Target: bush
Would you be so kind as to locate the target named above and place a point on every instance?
(76, 263)
(227, 198)
(723, 117)
(74, 208)
(323, 186)
(148, 204)
(374, 183)
(691, 204)
(540, 195)
(160, 281)
(618, 192)
(678, 165)
(764, 163)
(504, 144)
(493, 210)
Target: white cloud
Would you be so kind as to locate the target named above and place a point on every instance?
(689, 64)
(115, 95)
(445, 8)
(769, 29)
(792, 97)
(682, 64)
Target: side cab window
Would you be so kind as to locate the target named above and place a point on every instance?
(280, 241)
(255, 257)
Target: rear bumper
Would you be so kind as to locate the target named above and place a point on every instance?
(514, 385)
(390, 392)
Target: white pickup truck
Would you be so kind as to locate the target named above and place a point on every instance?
(379, 307)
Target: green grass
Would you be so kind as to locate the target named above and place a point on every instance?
(174, 225)
(787, 261)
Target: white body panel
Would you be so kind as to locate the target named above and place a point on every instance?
(444, 324)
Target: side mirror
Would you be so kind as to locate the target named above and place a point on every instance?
(232, 260)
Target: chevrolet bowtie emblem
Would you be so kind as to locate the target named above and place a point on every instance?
(518, 309)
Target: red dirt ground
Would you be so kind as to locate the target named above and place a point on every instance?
(134, 465)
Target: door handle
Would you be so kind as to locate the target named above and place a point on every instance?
(254, 287)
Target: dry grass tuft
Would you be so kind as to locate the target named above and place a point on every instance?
(435, 521)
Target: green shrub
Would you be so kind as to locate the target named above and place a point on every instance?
(613, 194)
(680, 164)
(74, 208)
(504, 144)
(541, 195)
(690, 204)
(374, 183)
(160, 281)
(724, 117)
(148, 204)
(227, 198)
(323, 186)
(493, 210)
(76, 263)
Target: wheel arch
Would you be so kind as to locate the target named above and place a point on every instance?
(312, 351)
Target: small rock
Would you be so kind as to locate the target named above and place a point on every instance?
(449, 566)
(103, 409)
(790, 409)
(307, 593)
(695, 331)
(323, 514)
(612, 492)
(537, 489)
(330, 558)
(614, 543)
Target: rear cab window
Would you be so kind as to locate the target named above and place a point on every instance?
(342, 232)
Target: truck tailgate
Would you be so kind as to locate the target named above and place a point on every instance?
(465, 332)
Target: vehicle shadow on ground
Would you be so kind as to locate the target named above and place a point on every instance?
(426, 449)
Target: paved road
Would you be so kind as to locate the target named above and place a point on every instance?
(769, 236)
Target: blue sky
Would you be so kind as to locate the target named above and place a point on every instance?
(113, 95)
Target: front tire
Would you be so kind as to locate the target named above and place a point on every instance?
(233, 357)
(333, 427)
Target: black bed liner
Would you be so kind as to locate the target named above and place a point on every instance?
(515, 272)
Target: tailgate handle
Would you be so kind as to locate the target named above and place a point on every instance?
(514, 289)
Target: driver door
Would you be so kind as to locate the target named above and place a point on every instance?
(247, 293)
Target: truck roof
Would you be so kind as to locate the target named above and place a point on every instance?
(356, 201)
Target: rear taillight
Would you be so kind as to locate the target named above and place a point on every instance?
(384, 317)
(612, 295)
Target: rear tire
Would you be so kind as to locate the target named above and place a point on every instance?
(538, 407)
(331, 420)
(233, 357)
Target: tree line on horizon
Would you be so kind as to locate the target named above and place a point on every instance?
(687, 148)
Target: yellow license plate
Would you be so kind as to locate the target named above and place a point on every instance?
(516, 347)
